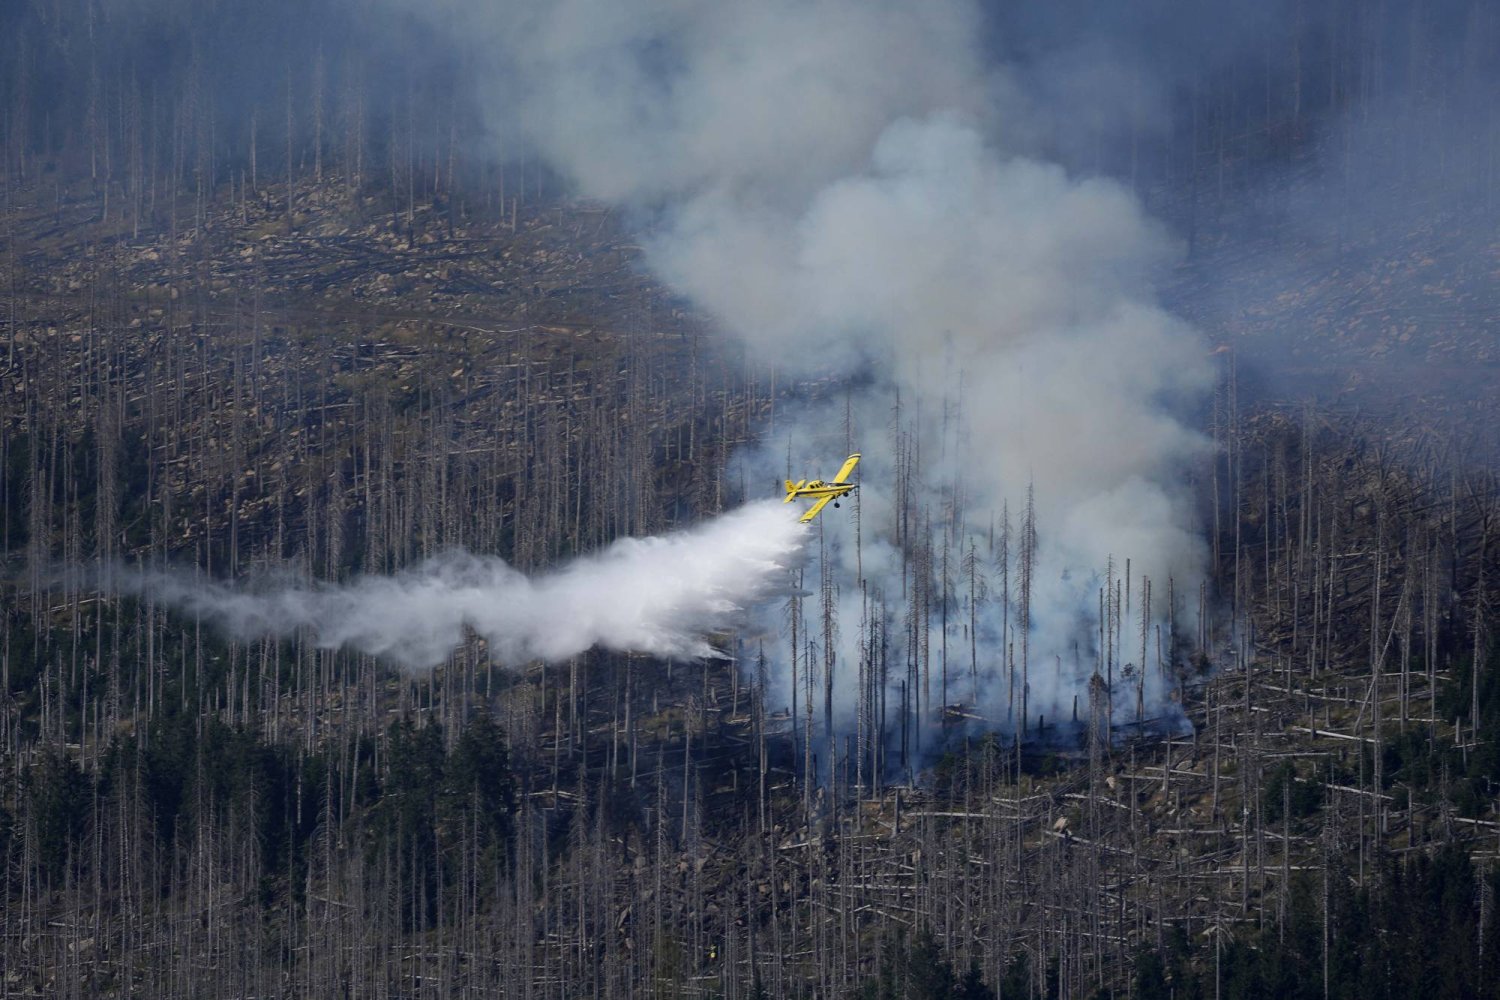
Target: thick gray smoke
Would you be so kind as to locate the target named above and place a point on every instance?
(662, 596)
(843, 185)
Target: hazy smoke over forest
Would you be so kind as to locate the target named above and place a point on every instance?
(951, 208)
(846, 187)
(660, 596)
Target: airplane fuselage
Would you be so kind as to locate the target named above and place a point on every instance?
(818, 488)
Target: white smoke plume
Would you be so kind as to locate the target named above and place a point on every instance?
(661, 596)
(850, 188)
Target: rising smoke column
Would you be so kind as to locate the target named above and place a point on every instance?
(660, 596)
(850, 188)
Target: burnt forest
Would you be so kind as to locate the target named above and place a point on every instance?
(404, 586)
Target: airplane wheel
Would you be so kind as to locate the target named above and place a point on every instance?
(835, 506)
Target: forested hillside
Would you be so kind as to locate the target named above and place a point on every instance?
(276, 308)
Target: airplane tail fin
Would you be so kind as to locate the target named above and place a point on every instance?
(791, 490)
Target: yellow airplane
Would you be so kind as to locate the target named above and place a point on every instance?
(821, 491)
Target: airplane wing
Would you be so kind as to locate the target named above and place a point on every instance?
(814, 510)
(848, 469)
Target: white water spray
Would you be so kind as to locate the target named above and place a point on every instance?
(663, 596)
